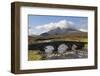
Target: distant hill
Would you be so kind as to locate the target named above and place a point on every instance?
(64, 31)
(59, 34)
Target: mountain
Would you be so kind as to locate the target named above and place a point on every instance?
(60, 31)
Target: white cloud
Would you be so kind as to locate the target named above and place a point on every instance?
(61, 24)
(83, 30)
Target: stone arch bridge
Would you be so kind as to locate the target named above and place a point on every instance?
(56, 44)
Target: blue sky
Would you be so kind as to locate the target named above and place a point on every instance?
(42, 23)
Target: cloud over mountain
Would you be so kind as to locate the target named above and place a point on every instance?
(61, 24)
(51, 26)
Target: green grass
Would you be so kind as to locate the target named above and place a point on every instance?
(84, 39)
(33, 55)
